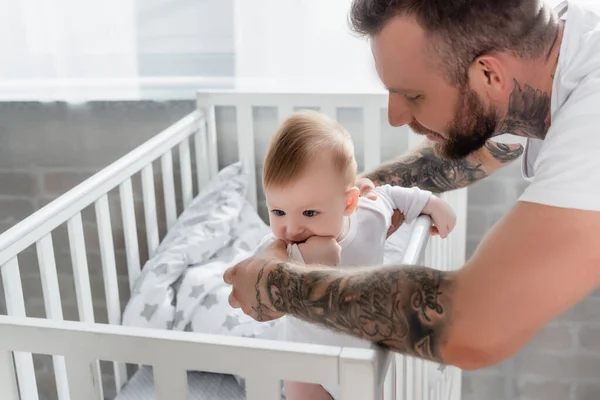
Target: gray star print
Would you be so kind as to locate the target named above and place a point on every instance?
(169, 325)
(178, 318)
(160, 269)
(231, 322)
(209, 301)
(188, 327)
(197, 291)
(149, 310)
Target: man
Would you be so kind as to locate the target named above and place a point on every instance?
(462, 73)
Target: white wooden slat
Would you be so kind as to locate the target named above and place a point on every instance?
(245, 136)
(372, 137)
(284, 111)
(185, 165)
(425, 380)
(166, 164)
(132, 250)
(409, 380)
(50, 289)
(83, 378)
(400, 392)
(418, 378)
(330, 110)
(81, 273)
(389, 385)
(109, 273)
(202, 157)
(150, 209)
(15, 306)
(211, 126)
(170, 382)
(355, 363)
(260, 388)
(8, 381)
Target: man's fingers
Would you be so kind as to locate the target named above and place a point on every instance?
(277, 249)
(233, 301)
(229, 274)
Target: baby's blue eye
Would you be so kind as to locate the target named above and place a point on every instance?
(310, 213)
(279, 213)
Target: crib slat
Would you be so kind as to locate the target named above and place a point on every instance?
(330, 110)
(166, 162)
(8, 381)
(211, 126)
(263, 389)
(15, 306)
(46, 260)
(83, 383)
(352, 365)
(109, 272)
(400, 382)
(170, 383)
(130, 231)
(389, 385)
(245, 136)
(80, 269)
(202, 160)
(372, 137)
(185, 165)
(150, 209)
(284, 111)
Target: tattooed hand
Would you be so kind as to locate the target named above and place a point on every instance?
(248, 278)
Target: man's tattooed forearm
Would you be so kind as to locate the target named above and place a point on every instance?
(429, 172)
(406, 309)
(261, 309)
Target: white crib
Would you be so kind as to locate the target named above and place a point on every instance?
(77, 346)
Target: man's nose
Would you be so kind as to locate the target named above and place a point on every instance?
(399, 113)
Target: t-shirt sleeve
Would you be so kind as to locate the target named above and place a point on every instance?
(410, 201)
(567, 169)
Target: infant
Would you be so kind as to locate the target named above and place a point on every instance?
(314, 206)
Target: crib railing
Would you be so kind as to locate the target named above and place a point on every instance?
(38, 230)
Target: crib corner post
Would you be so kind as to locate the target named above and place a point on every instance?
(8, 377)
(361, 363)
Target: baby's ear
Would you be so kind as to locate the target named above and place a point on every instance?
(351, 200)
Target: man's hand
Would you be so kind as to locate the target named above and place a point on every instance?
(249, 283)
(321, 250)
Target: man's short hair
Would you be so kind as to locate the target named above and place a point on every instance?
(302, 137)
(463, 30)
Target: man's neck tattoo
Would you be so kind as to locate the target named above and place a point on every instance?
(528, 112)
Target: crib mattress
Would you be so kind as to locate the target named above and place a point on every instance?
(201, 386)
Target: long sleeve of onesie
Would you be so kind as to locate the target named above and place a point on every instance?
(409, 201)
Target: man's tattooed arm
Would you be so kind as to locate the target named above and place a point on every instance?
(405, 309)
(423, 168)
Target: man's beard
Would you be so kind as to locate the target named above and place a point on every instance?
(473, 125)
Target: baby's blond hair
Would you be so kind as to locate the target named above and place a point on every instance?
(297, 142)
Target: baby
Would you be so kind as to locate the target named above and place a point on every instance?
(314, 206)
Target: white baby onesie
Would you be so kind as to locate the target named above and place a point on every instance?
(362, 246)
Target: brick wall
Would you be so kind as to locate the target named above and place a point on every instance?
(45, 149)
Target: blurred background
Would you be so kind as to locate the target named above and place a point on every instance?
(83, 82)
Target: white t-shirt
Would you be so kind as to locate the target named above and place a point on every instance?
(564, 168)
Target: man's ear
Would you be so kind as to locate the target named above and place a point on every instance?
(351, 200)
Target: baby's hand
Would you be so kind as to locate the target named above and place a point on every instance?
(442, 214)
(321, 250)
